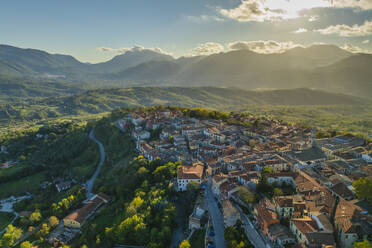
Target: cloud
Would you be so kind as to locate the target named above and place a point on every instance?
(135, 48)
(362, 4)
(348, 31)
(300, 31)
(265, 47)
(313, 18)
(272, 10)
(365, 42)
(355, 49)
(207, 48)
(278, 10)
(105, 49)
(204, 18)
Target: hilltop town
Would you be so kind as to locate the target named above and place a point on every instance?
(302, 187)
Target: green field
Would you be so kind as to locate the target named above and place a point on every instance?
(26, 184)
(5, 219)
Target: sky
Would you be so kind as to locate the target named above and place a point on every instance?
(97, 30)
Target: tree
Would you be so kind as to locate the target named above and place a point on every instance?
(363, 188)
(363, 244)
(267, 170)
(53, 221)
(26, 244)
(245, 195)
(35, 217)
(278, 192)
(11, 234)
(185, 244)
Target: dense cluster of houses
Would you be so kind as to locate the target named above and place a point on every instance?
(323, 210)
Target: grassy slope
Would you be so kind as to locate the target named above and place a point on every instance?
(5, 219)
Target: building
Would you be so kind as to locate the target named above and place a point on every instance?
(77, 218)
(300, 227)
(187, 174)
(265, 215)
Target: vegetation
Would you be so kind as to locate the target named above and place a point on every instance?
(363, 244)
(363, 189)
(185, 244)
(235, 237)
(11, 235)
(5, 219)
(198, 238)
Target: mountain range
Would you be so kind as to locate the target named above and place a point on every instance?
(324, 67)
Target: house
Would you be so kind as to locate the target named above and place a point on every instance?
(63, 185)
(302, 226)
(187, 174)
(347, 219)
(280, 235)
(195, 218)
(217, 180)
(320, 240)
(341, 190)
(288, 178)
(284, 206)
(367, 157)
(77, 218)
(265, 215)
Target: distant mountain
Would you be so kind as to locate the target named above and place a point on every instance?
(323, 67)
(320, 55)
(130, 59)
(17, 61)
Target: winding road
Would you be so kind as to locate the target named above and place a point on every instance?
(90, 183)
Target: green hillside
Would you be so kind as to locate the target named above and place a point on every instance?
(95, 102)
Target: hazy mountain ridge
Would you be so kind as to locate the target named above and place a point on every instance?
(324, 67)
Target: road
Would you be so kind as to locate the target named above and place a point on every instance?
(217, 219)
(90, 183)
(251, 232)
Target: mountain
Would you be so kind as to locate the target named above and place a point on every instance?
(17, 62)
(130, 59)
(150, 70)
(323, 67)
(321, 55)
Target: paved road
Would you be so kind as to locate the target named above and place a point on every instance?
(217, 220)
(251, 232)
(90, 183)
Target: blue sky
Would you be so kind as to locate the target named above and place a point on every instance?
(97, 30)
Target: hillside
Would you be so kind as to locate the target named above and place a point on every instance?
(105, 100)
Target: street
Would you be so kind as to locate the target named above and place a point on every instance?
(251, 232)
(217, 219)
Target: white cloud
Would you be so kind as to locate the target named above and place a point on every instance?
(365, 42)
(355, 49)
(204, 18)
(363, 4)
(277, 10)
(105, 49)
(135, 48)
(313, 18)
(271, 10)
(348, 31)
(265, 47)
(207, 48)
(300, 31)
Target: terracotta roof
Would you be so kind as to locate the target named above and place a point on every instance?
(305, 225)
(84, 212)
(190, 172)
(284, 201)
